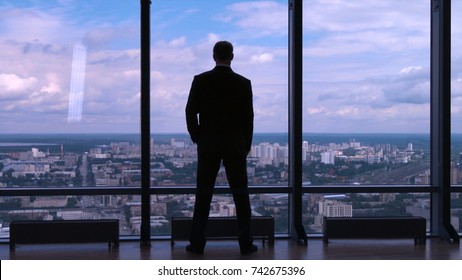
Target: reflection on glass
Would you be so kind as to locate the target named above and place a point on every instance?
(77, 87)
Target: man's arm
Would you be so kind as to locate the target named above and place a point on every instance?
(249, 116)
(192, 109)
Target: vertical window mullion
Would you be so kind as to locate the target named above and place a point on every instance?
(145, 123)
(295, 118)
(440, 132)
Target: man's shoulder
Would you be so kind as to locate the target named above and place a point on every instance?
(215, 71)
(241, 77)
(203, 74)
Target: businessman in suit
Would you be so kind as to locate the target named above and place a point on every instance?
(219, 117)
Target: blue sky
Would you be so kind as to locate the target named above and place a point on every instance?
(366, 62)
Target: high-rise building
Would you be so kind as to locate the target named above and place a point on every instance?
(332, 208)
(328, 157)
(409, 147)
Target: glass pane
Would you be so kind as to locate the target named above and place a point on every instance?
(69, 89)
(259, 32)
(319, 206)
(165, 207)
(366, 109)
(38, 208)
(127, 209)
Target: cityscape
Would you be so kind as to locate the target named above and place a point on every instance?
(115, 161)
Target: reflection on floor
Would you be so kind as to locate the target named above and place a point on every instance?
(283, 249)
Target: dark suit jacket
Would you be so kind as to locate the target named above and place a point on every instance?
(220, 105)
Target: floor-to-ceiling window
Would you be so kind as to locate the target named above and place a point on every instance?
(183, 34)
(366, 106)
(69, 106)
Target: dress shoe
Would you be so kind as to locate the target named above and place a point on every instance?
(192, 249)
(249, 250)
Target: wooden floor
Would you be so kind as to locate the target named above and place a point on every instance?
(283, 249)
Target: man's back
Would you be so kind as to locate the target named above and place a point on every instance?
(223, 101)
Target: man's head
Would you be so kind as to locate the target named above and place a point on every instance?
(223, 52)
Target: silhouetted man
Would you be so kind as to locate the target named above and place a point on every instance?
(219, 116)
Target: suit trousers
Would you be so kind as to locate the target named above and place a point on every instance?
(211, 152)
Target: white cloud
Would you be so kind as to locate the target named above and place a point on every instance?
(27, 25)
(354, 16)
(351, 112)
(336, 28)
(11, 84)
(262, 58)
(367, 63)
(260, 18)
(212, 38)
(316, 110)
(410, 69)
(156, 76)
(178, 42)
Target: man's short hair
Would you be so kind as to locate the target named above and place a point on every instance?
(223, 50)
